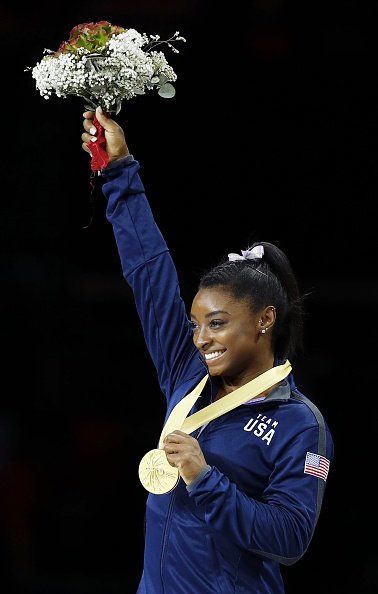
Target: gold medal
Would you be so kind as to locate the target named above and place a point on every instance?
(156, 474)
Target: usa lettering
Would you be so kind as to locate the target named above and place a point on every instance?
(262, 427)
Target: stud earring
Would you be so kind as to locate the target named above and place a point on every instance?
(263, 331)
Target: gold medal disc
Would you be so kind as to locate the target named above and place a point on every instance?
(156, 474)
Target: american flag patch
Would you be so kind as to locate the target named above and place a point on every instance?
(316, 465)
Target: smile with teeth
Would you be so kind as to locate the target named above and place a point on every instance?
(213, 355)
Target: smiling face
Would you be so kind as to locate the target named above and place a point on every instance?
(228, 335)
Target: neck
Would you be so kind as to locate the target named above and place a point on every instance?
(228, 384)
(231, 383)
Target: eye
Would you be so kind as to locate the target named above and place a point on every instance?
(212, 324)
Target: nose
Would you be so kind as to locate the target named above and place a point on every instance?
(201, 338)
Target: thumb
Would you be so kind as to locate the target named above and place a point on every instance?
(102, 117)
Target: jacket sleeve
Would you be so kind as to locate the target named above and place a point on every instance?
(150, 272)
(280, 524)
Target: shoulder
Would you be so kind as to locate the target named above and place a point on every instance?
(309, 408)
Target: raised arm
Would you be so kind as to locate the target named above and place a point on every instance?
(146, 261)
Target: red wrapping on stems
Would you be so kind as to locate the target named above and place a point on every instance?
(100, 157)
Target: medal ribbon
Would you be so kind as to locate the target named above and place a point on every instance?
(155, 472)
(181, 410)
(178, 418)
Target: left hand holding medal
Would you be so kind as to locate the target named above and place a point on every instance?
(184, 453)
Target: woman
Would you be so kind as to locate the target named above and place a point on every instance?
(237, 480)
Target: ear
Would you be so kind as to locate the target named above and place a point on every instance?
(267, 319)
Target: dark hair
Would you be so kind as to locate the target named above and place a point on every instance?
(266, 281)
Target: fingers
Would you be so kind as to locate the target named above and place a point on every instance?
(178, 444)
(86, 148)
(116, 146)
(90, 135)
(87, 141)
(176, 437)
(184, 452)
(90, 131)
(172, 447)
(89, 126)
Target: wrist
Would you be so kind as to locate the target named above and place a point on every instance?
(202, 474)
(119, 161)
(113, 158)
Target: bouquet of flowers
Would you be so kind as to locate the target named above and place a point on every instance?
(105, 64)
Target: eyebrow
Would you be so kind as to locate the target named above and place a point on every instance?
(212, 313)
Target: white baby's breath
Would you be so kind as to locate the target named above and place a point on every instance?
(105, 67)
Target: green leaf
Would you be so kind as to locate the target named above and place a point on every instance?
(167, 91)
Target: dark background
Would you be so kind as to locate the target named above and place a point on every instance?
(272, 135)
